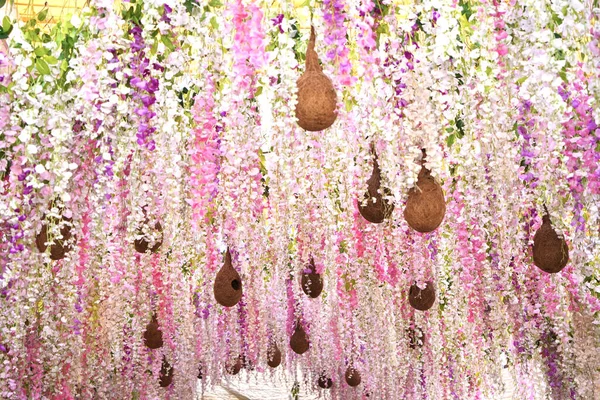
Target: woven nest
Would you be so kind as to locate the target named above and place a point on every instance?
(143, 244)
(374, 208)
(273, 356)
(426, 206)
(324, 382)
(422, 299)
(234, 367)
(550, 252)
(166, 373)
(317, 101)
(153, 337)
(228, 284)
(299, 340)
(353, 377)
(312, 283)
(59, 248)
(416, 337)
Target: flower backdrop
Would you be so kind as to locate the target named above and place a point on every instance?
(150, 148)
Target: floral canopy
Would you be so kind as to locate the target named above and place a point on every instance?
(167, 214)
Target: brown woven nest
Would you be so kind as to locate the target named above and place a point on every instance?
(374, 208)
(422, 299)
(324, 382)
(550, 252)
(234, 366)
(352, 376)
(144, 244)
(317, 101)
(153, 337)
(228, 284)
(166, 373)
(416, 337)
(425, 206)
(312, 283)
(299, 341)
(59, 248)
(273, 355)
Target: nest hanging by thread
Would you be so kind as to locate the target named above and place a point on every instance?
(353, 378)
(153, 337)
(299, 341)
(550, 252)
(234, 367)
(59, 248)
(144, 243)
(425, 206)
(422, 299)
(374, 208)
(166, 373)
(228, 284)
(317, 100)
(312, 283)
(324, 382)
(273, 355)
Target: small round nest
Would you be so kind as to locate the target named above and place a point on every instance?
(550, 252)
(273, 356)
(422, 299)
(153, 337)
(228, 284)
(324, 382)
(425, 206)
(353, 378)
(166, 373)
(299, 340)
(374, 208)
(312, 283)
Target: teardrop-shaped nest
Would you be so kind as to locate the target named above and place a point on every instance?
(416, 337)
(153, 337)
(60, 248)
(353, 377)
(312, 283)
(422, 299)
(228, 284)
(374, 208)
(234, 367)
(324, 382)
(317, 100)
(166, 373)
(426, 206)
(273, 356)
(299, 340)
(550, 252)
(144, 243)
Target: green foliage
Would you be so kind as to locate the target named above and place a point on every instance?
(6, 28)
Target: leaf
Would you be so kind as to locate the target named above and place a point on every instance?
(40, 51)
(167, 42)
(215, 3)
(42, 67)
(51, 60)
(2, 3)
(450, 140)
(214, 23)
(42, 15)
(6, 25)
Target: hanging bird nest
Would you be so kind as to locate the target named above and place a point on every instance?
(234, 366)
(153, 337)
(374, 208)
(550, 252)
(416, 337)
(317, 100)
(425, 206)
(151, 240)
(200, 371)
(228, 284)
(422, 299)
(60, 247)
(324, 382)
(299, 341)
(353, 378)
(166, 373)
(273, 355)
(312, 283)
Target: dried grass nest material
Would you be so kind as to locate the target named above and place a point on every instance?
(153, 337)
(353, 377)
(228, 284)
(166, 373)
(273, 355)
(299, 341)
(312, 282)
(422, 299)
(60, 247)
(317, 100)
(550, 252)
(426, 206)
(374, 208)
